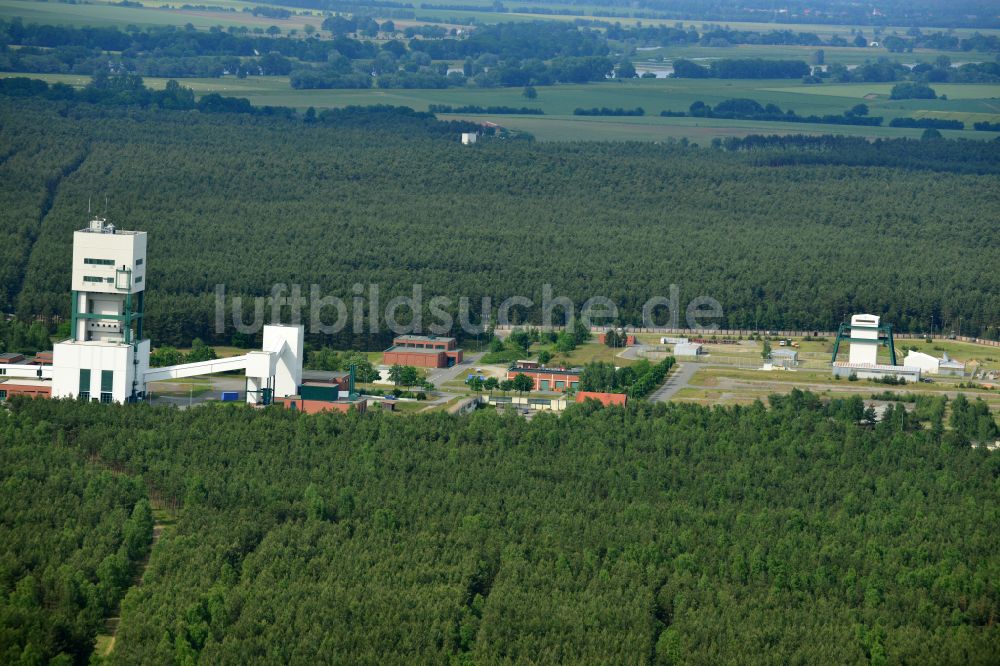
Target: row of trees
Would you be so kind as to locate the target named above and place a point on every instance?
(167, 355)
(749, 109)
(806, 532)
(520, 382)
(742, 68)
(515, 54)
(637, 380)
(329, 359)
(518, 342)
(723, 37)
(941, 71)
(22, 338)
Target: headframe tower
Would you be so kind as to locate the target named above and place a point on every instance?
(106, 356)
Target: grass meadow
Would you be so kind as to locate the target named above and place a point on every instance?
(970, 103)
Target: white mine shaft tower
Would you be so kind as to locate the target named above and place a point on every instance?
(106, 358)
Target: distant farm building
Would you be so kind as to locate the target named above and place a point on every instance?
(469, 138)
(423, 351)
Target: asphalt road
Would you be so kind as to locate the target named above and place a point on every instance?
(676, 380)
(443, 375)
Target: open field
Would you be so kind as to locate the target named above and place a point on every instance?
(161, 12)
(719, 385)
(99, 14)
(846, 55)
(654, 96)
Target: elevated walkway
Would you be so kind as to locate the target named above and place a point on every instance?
(32, 370)
(198, 368)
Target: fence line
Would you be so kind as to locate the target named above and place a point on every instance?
(746, 332)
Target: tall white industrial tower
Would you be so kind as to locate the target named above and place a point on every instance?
(106, 357)
(864, 339)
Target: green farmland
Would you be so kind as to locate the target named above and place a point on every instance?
(845, 55)
(970, 103)
(153, 15)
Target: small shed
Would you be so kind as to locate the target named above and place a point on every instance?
(688, 349)
(788, 358)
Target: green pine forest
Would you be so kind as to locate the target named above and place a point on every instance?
(657, 534)
(782, 237)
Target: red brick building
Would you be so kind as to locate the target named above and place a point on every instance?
(34, 388)
(548, 379)
(322, 396)
(423, 351)
(42, 358)
(629, 339)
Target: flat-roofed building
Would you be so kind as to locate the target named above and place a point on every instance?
(688, 349)
(34, 388)
(423, 351)
(322, 396)
(548, 379)
(876, 371)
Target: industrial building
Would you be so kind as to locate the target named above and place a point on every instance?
(688, 349)
(33, 388)
(423, 351)
(106, 358)
(933, 365)
(548, 379)
(630, 340)
(322, 391)
(864, 336)
(315, 397)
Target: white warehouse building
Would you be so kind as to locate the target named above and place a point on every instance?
(933, 365)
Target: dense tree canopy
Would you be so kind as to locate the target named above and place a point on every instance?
(71, 534)
(651, 534)
(784, 233)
